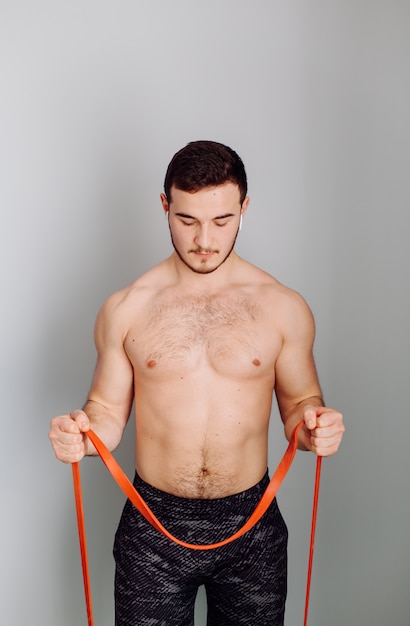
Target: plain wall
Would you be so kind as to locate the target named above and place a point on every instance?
(96, 96)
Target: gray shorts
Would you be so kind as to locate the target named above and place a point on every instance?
(156, 580)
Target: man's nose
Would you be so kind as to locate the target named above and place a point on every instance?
(203, 237)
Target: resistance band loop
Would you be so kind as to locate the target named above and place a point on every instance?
(131, 493)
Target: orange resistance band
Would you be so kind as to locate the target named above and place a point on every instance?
(129, 490)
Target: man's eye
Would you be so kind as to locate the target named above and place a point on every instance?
(221, 224)
(187, 222)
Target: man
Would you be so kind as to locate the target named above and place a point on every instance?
(200, 343)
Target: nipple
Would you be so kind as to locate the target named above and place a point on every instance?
(256, 362)
(151, 363)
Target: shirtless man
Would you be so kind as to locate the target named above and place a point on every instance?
(200, 343)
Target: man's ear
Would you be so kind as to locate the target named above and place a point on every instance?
(245, 205)
(164, 202)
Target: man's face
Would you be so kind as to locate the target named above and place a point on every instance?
(204, 225)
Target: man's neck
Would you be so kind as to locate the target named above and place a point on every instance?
(220, 278)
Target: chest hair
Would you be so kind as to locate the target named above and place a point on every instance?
(220, 326)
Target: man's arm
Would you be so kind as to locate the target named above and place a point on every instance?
(110, 398)
(297, 387)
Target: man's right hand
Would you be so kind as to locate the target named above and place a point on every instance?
(67, 436)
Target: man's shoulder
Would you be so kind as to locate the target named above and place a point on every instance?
(127, 307)
(275, 296)
(140, 291)
(268, 283)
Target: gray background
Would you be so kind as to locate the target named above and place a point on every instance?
(96, 96)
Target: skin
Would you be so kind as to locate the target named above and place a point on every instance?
(201, 342)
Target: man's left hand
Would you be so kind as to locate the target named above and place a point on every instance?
(325, 429)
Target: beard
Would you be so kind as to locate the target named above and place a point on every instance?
(203, 269)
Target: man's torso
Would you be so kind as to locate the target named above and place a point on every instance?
(204, 373)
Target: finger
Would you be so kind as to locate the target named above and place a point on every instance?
(68, 447)
(328, 432)
(325, 446)
(309, 417)
(64, 423)
(329, 417)
(69, 456)
(64, 438)
(67, 438)
(81, 419)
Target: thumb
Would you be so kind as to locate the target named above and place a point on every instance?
(81, 419)
(309, 416)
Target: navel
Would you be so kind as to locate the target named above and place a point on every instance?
(256, 362)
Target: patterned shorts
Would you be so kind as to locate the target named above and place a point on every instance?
(156, 580)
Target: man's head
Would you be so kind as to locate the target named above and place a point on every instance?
(205, 200)
(203, 164)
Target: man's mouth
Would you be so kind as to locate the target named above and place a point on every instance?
(203, 252)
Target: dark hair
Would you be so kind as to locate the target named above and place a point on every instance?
(205, 164)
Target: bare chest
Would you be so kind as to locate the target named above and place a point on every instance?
(218, 331)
